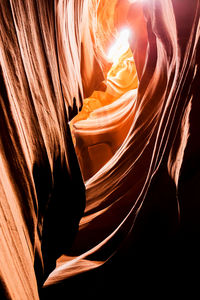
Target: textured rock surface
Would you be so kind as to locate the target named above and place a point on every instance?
(142, 207)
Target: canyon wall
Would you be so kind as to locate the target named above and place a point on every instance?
(150, 174)
(50, 60)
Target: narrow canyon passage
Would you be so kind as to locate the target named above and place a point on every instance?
(99, 147)
(103, 123)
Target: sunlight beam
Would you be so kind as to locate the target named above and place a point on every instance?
(120, 46)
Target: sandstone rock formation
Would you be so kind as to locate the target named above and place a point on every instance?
(144, 200)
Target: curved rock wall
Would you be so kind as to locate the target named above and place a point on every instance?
(49, 61)
(41, 89)
(155, 144)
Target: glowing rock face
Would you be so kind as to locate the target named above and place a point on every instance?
(122, 76)
(52, 56)
(96, 140)
(155, 144)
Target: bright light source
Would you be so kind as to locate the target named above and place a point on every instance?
(120, 46)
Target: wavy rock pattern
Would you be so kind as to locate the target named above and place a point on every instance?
(52, 56)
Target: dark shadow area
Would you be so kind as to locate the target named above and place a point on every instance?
(159, 258)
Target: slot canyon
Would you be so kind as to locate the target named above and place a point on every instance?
(99, 148)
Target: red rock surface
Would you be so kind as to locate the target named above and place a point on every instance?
(142, 206)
